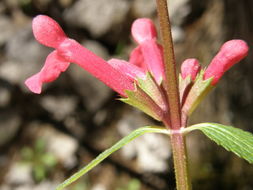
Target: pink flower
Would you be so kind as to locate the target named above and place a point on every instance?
(130, 79)
(117, 74)
(49, 33)
(148, 55)
(53, 67)
(230, 53)
(190, 67)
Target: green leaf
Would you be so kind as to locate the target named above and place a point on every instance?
(108, 152)
(232, 139)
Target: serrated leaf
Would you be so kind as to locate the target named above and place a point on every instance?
(108, 152)
(232, 139)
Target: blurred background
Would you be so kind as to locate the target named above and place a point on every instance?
(45, 138)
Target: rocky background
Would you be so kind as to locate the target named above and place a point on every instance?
(45, 138)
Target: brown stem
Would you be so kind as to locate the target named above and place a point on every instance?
(171, 82)
(171, 88)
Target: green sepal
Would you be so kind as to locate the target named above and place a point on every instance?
(232, 139)
(198, 91)
(151, 88)
(139, 99)
(183, 85)
(147, 96)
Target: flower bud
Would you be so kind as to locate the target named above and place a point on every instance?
(190, 67)
(230, 53)
(143, 29)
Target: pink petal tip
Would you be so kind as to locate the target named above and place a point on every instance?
(143, 29)
(47, 31)
(34, 83)
(230, 53)
(190, 67)
(53, 67)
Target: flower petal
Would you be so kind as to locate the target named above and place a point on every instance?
(54, 65)
(47, 31)
(190, 67)
(230, 53)
(136, 58)
(143, 29)
(72, 51)
(153, 58)
(129, 69)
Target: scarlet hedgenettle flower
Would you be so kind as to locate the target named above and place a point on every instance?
(230, 53)
(49, 33)
(138, 81)
(148, 55)
(191, 94)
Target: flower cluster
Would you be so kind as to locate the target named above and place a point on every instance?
(140, 80)
(195, 82)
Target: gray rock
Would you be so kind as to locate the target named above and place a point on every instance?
(65, 3)
(97, 48)
(24, 48)
(24, 57)
(9, 125)
(45, 185)
(62, 146)
(178, 10)
(152, 151)
(97, 16)
(61, 107)
(5, 96)
(93, 91)
(7, 29)
(143, 8)
(2, 7)
(19, 174)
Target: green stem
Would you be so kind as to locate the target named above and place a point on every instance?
(170, 82)
(180, 161)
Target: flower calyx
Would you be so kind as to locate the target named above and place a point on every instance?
(149, 97)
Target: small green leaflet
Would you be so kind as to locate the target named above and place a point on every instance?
(109, 151)
(232, 139)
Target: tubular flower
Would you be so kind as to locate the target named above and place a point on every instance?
(230, 53)
(137, 81)
(140, 80)
(49, 33)
(148, 54)
(192, 92)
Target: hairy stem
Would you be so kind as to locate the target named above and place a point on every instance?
(171, 88)
(180, 161)
(170, 82)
